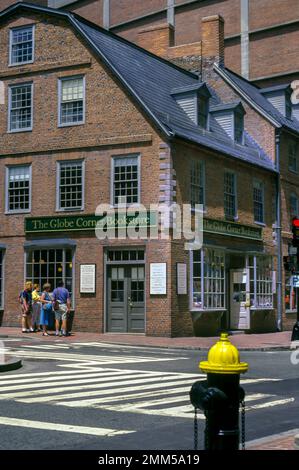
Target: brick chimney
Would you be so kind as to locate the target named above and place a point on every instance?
(156, 39)
(212, 36)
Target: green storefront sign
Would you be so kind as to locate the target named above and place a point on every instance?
(232, 229)
(89, 222)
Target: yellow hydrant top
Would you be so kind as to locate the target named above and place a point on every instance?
(223, 358)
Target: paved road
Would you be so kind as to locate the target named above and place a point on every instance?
(74, 395)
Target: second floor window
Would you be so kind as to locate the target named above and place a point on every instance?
(197, 179)
(258, 201)
(71, 96)
(20, 107)
(125, 180)
(70, 183)
(21, 45)
(18, 188)
(230, 195)
(293, 157)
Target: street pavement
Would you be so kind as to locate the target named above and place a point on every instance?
(73, 394)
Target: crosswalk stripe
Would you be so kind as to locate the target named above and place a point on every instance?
(25, 423)
(162, 384)
(125, 375)
(98, 359)
(106, 384)
(283, 401)
(37, 375)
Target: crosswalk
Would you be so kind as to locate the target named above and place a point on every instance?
(119, 390)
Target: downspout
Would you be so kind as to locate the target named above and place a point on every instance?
(278, 233)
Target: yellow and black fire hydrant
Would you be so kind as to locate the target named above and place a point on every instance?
(220, 395)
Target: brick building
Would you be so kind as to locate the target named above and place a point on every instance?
(88, 118)
(254, 29)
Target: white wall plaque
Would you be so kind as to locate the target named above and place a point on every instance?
(181, 278)
(158, 278)
(87, 278)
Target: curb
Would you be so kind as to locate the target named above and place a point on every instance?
(13, 364)
(270, 438)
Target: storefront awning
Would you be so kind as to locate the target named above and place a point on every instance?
(50, 243)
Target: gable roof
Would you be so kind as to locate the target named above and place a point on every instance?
(151, 80)
(254, 96)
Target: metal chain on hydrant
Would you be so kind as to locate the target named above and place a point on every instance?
(243, 424)
(195, 430)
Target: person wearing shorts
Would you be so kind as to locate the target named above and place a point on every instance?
(62, 307)
(36, 307)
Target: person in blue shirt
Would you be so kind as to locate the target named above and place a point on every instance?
(25, 299)
(62, 307)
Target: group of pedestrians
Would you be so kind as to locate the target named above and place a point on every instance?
(37, 307)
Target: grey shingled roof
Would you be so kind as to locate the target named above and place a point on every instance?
(255, 95)
(151, 80)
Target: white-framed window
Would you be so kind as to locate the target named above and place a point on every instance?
(294, 205)
(21, 49)
(261, 281)
(208, 279)
(70, 185)
(125, 180)
(230, 195)
(293, 157)
(18, 188)
(50, 265)
(1, 279)
(71, 93)
(197, 179)
(258, 201)
(20, 107)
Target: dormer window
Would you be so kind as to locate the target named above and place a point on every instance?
(280, 97)
(194, 101)
(230, 118)
(202, 111)
(21, 45)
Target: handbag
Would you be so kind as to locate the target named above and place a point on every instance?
(47, 307)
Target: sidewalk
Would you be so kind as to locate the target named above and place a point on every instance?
(244, 342)
(282, 441)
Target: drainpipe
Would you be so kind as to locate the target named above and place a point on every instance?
(278, 233)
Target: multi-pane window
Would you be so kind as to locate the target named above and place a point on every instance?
(208, 279)
(230, 196)
(203, 105)
(20, 107)
(18, 188)
(71, 107)
(258, 201)
(125, 255)
(261, 281)
(1, 278)
(137, 284)
(117, 284)
(239, 127)
(21, 45)
(70, 182)
(293, 156)
(125, 180)
(50, 265)
(197, 186)
(294, 205)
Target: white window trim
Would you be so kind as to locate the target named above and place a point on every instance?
(112, 180)
(24, 211)
(236, 216)
(191, 306)
(60, 80)
(203, 163)
(58, 167)
(25, 129)
(12, 64)
(257, 181)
